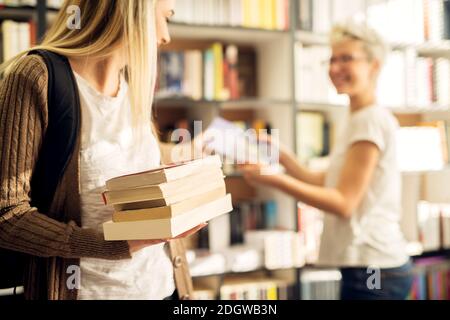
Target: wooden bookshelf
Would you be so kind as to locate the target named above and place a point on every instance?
(433, 111)
(407, 114)
(246, 103)
(39, 14)
(426, 49)
(225, 33)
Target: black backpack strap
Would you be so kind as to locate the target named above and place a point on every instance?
(63, 126)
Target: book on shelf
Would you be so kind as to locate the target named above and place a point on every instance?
(447, 19)
(204, 293)
(431, 279)
(18, 3)
(281, 249)
(310, 227)
(193, 74)
(408, 79)
(304, 15)
(260, 14)
(312, 81)
(231, 72)
(398, 21)
(219, 230)
(208, 75)
(247, 216)
(203, 262)
(411, 196)
(256, 288)
(16, 37)
(54, 4)
(233, 259)
(320, 284)
(319, 15)
(314, 135)
(425, 218)
(217, 73)
(429, 218)
(167, 201)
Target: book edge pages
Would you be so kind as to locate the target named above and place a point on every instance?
(155, 192)
(170, 211)
(167, 228)
(163, 173)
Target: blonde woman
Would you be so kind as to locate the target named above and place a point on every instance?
(360, 192)
(113, 59)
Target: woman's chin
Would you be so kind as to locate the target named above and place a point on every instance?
(343, 90)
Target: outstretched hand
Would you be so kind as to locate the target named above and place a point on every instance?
(256, 174)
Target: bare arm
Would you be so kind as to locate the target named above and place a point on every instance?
(290, 162)
(300, 172)
(356, 174)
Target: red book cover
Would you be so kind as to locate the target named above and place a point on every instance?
(226, 77)
(33, 33)
(448, 285)
(287, 20)
(231, 71)
(426, 20)
(104, 199)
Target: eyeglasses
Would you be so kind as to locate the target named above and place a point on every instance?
(345, 59)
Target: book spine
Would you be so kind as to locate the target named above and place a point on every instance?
(217, 50)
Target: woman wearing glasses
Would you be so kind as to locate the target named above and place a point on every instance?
(361, 190)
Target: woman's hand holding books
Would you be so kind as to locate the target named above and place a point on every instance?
(137, 245)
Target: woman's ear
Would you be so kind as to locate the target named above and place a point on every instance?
(376, 68)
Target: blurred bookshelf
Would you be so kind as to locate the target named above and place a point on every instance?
(26, 20)
(416, 76)
(281, 82)
(253, 103)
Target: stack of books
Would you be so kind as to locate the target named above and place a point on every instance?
(166, 202)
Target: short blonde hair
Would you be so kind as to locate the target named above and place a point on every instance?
(374, 44)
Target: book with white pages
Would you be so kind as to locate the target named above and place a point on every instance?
(174, 210)
(163, 174)
(166, 228)
(170, 192)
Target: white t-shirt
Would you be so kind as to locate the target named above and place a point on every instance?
(108, 150)
(372, 237)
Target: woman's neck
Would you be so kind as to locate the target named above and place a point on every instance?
(102, 74)
(361, 101)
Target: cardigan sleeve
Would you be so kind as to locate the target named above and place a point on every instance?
(23, 121)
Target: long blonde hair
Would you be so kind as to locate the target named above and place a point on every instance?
(106, 25)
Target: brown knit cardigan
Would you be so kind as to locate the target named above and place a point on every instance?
(53, 245)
